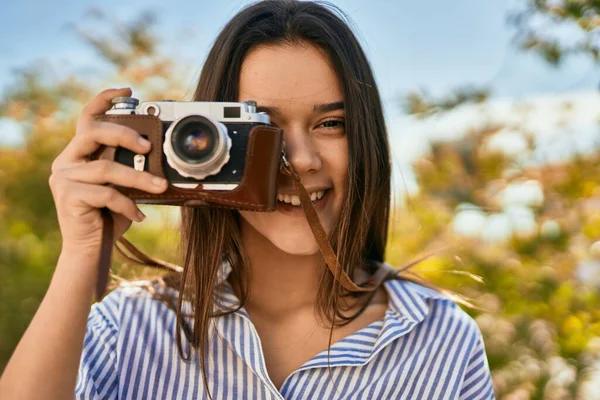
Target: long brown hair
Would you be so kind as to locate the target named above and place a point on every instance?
(210, 236)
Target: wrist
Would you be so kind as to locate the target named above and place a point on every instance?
(79, 264)
(75, 277)
(74, 250)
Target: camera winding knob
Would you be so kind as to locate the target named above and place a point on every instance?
(125, 103)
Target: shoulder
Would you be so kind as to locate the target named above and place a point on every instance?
(128, 322)
(444, 341)
(133, 301)
(435, 321)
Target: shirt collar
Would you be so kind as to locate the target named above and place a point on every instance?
(408, 305)
(410, 300)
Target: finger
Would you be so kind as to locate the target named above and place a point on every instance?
(103, 196)
(102, 102)
(98, 133)
(104, 171)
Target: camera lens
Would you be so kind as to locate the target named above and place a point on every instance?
(194, 141)
(197, 146)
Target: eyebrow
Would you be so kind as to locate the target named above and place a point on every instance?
(326, 107)
(336, 105)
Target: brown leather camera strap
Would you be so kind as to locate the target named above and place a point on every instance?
(325, 247)
(329, 256)
(105, 253)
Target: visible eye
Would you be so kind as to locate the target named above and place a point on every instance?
(332, 124)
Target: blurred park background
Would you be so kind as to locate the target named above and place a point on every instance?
(493, 111)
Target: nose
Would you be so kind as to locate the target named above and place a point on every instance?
(301, 151)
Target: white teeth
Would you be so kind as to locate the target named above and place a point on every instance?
(295, 200)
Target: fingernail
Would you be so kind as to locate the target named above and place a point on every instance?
(141, 215)
(159, 181)
(143, 142)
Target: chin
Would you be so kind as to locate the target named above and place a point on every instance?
(295, 243)
(268, 230)
(287, 229)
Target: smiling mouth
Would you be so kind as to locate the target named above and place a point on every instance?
(295, 200)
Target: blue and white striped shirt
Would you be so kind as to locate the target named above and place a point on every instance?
(425, 347)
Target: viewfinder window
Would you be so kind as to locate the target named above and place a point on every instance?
(231, 112)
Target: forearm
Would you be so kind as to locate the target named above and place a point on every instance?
(46, 360)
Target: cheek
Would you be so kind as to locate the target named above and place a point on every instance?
(335, 157)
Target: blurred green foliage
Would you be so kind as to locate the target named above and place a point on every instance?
(539, 308)
(540, 317)
(422, 105)
(46, 105)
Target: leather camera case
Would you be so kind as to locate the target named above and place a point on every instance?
(257, 190)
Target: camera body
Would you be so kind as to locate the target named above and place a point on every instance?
(202, 142)
(220, 154)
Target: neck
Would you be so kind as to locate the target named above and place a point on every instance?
(280, 283)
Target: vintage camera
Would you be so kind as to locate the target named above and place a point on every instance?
(223, 154)
(203, 142)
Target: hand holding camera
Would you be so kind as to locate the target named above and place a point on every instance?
(171, 153)
(79, 186)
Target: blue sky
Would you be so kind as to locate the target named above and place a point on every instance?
(432, 44)
(435, 45)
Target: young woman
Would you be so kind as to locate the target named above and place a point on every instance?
(257, 314)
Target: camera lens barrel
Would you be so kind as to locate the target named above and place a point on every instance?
(197, 146)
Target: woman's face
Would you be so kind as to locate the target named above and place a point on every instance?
(300, 92)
